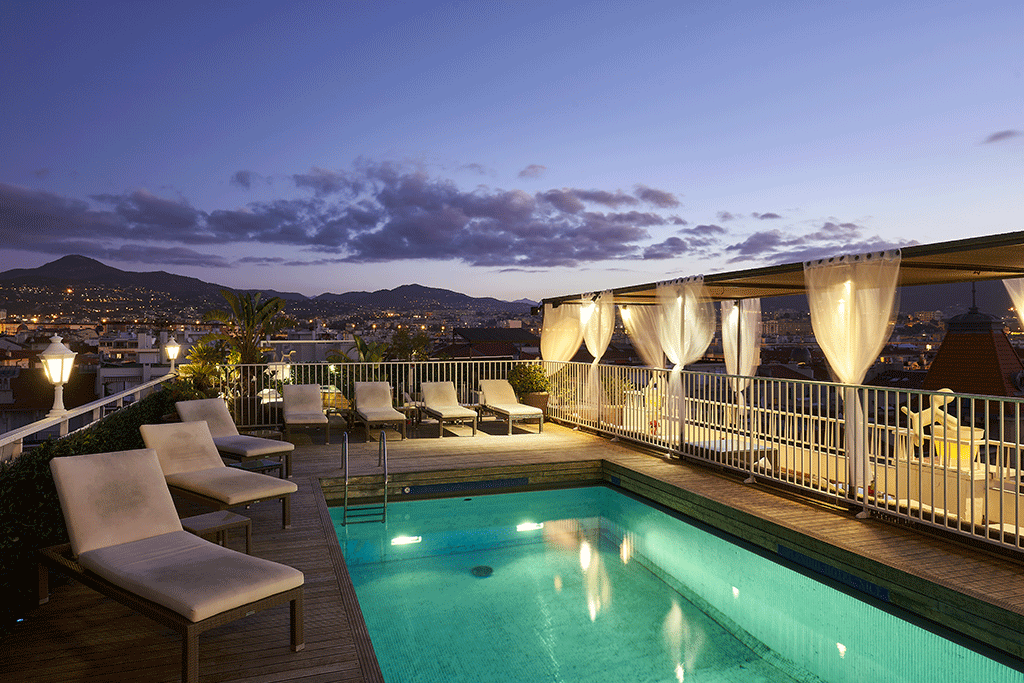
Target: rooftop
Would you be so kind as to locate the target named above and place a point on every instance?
(81, 636)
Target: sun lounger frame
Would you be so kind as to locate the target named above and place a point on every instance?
(59, 558)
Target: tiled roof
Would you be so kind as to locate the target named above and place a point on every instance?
(975, 363)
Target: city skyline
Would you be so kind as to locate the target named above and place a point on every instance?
(512, 151)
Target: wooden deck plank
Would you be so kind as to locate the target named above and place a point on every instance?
(82, 636)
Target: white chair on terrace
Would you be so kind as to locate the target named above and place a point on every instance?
(441, 403)
(193, 469)
(498, 397)
(375, 408)
(304, 407)
(127, 543)
(231, 444)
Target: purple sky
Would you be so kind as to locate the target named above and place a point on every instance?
(523, 149)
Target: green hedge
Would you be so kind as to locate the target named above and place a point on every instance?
(30, 514)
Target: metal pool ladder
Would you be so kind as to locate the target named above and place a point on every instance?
(375, 512)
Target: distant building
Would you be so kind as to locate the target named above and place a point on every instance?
(497, 343)
(27, 396)
(976, 358)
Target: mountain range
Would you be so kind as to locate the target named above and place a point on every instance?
(72, 271)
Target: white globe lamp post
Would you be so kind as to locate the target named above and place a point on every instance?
(57, 362)
(172, 349)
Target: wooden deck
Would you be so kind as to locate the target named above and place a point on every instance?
(82, 636)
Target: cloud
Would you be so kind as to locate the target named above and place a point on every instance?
(612, 200)
(658, 198)
(152, 217)
(670, 248)
(696, 240)
(830, 239)
(325, 182)
(725, 216)
(370, 213)
(765, 216)
(1001, 136)
(533, 171)
(479, 169)
(174, 256)
(243, 179)
(40, 221)
(703, 235)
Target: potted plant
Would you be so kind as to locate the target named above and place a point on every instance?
(531, 385)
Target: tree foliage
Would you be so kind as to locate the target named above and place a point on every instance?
(406, 346)
(369, 352)
(249, 320)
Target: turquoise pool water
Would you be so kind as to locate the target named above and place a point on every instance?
(590, 584)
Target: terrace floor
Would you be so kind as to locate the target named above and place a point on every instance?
(80, 635)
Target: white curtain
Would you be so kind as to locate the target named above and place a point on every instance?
(641, 323)
(853, 308)
(741, 342)
(1015, 288)
(562, 333)
(687, 324)
(597, 318)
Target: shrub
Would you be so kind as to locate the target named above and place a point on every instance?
(30, 514)
(528, 379)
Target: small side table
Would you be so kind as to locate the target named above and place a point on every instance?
(219, 523)
(261, 465)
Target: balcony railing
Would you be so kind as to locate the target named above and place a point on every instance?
(961, 476)
(14, 442)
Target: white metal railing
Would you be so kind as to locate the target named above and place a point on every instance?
(12, 443)
(254, 392)
(961, 474)
(962, 477)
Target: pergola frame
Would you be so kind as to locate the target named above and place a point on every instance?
(991, 257)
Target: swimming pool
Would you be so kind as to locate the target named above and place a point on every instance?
(591, 584)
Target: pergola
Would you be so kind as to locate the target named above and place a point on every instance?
(992, 257)
(851, 300)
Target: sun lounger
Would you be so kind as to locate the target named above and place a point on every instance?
(441, 403)
(374, 407)
(127, 543)
(225, 435)
(193, 469)
(497, 397)
(303, 407)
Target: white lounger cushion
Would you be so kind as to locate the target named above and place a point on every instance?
(303, 405)
(373, 395)
(106, 498)
(381, 415)
(193, 577)
(298, 418)
(251, 446)
(454, 412)
(440, 400)
(182, 446)
(373, 402)
(515, 410)
(213, 411)
(231, 485)
(499, 397)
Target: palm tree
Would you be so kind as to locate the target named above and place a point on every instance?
(249, 321)
(369, 352)
(203, 361)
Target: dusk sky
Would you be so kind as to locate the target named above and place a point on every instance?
(508, 149)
